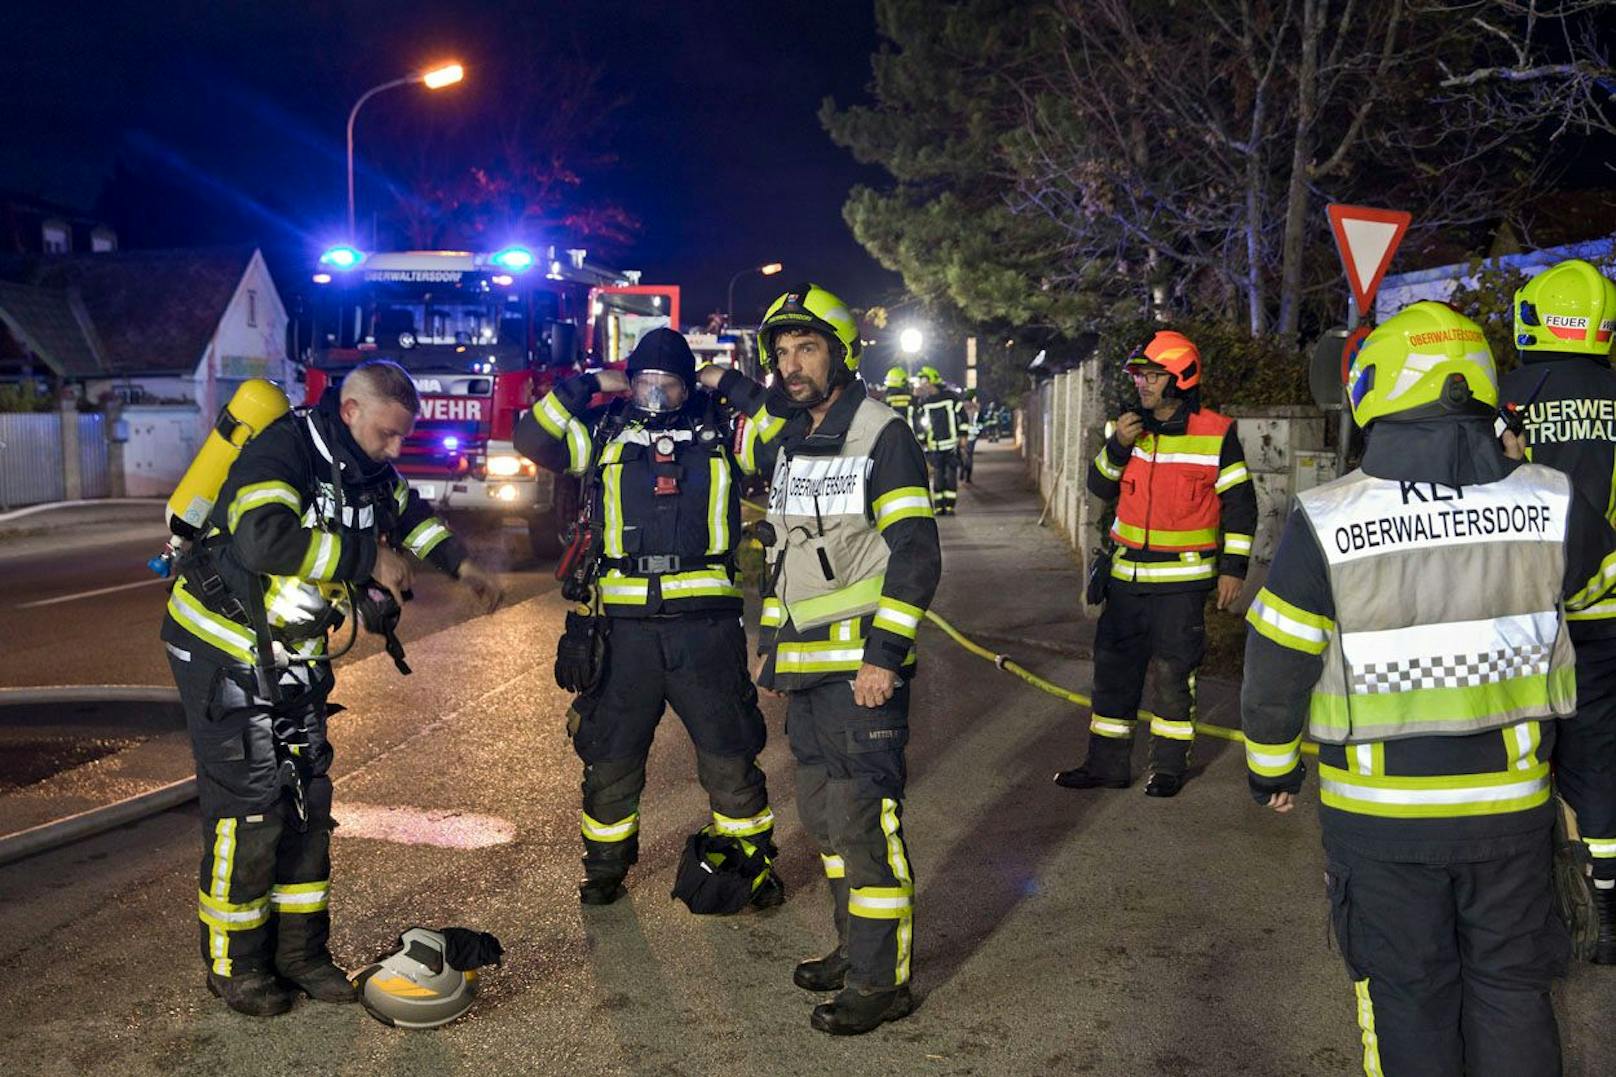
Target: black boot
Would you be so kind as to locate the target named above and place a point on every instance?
(321, 981)
(828, 973)
(1084, 778)
(770, 894)
(256, 994)
(1164, 785)
(854, 1012)
(601, 891)
(1605, 945)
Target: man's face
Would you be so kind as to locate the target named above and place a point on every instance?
(379, 426)
(1151, 381)
(802, 360)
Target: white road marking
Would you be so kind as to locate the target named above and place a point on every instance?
(442, 827)
(90, 594)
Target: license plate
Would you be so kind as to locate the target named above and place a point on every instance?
(427, 490)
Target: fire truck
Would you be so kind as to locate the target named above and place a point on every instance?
(484, 335)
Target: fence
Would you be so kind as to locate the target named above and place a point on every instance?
(31, 466)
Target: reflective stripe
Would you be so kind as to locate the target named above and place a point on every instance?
(1602, 848)
(1366, 1025)
(301, 897)
(898, 617)
(1289, 625)
(324, 553)
(703, 583)
(1157, 538)
(1111, 727)
(612, 501)
(816, 658)
(774, 613)
(835, 866)
(258, 494)
(1434, 797)
(223, 633)
(552, 415)
(1103, 464)
(718, 505)
(426, 536)
(1236, 544)
(1200, 446)
(595, 830)
(898, 864)
(845, 631)
(1164, 571)
(744, 828)
(225, 916)
(1273, 760)
(401, 495)
(1230, 477)
(881, 902)
(1521, 742)
(1367, 758)
(857, 598)
(624, 590)
(761, 428)
(1197, 458)
(904, 503)
(1162, 727)
(1599, 611)
(1597, 585)
(559, 424)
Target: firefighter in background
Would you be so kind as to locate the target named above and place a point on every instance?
(1564, 319)
(1412, 625)
(938, 423)
(669, 513)
(970, 423)
(311, 504)
(853, 562)
(1179, 477)
(898, 396)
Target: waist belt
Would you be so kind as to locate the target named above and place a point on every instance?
(665, 564)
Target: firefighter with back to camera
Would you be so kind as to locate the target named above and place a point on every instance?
(310, 510)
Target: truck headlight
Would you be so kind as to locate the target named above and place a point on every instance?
(509, 466)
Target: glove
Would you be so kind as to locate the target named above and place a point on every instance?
(580, 654)
(1263, 788)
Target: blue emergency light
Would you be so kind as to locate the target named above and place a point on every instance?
(342, 257)
(515, 259)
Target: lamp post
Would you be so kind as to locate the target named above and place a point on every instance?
(766, 270)
(911, 340)
(435, 79)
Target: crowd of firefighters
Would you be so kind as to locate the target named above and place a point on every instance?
(1427, 621)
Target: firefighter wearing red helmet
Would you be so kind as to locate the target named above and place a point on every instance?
(1185, 515)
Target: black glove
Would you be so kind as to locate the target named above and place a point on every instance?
(1263, 788)
(580, 654)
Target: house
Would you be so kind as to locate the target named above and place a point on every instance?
(1400, 289)
(30, 225)
(170, 334)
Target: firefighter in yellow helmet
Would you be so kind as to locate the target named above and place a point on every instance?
(1412, 625)
(898, 396)
(940, 426)
(1565, 393)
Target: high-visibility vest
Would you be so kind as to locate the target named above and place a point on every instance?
(940, 421)
(1171, 487)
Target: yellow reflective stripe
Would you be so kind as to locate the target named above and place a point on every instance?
(624, 590)
(846, 631)
(223, 916)
(221, 632)
(761, 428)
(1230, 477)
(1204, 536)
(898, 864)
(1441, 796)
(854, 598)
(881, 902)
(1273, 760)
(622, 830)
(1162, 571)
(1103, 464)
(401, 494)
(774, 613)
(702, 583)
(898, 617)
(612, 501)
(1599, 611)
(903, 503)
(1164, 727)
(1521, 742)
(1182, 444)
(817, 658)
(835, 866)
(1600, 848)
(718, 505)
(1289, 625)
(1597, 585)
(744, 828)
(301, 897)
(1367, 758)
(1366, 1025)
(258, 494)
(323, 555)
(1236, 544)
(426, 536)
(1111, 727)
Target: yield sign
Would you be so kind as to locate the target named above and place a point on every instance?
(1366, 239)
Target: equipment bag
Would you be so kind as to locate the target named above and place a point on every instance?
(718, 874)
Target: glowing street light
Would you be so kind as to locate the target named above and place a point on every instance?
(435, 79)
(768, 270)
(910, 341)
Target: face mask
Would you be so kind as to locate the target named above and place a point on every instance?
(658, 393)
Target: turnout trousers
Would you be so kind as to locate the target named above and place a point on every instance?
(1144, 636)
(945, 469)
(1585, 755)
(263, 898)
(1451, 963)
(850, 783)
(696, 662)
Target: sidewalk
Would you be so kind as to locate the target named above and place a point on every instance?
(49, 526)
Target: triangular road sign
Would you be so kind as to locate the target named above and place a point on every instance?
(1366, 239)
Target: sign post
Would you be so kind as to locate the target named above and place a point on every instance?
(1366, 239)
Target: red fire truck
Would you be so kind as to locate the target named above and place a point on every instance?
(484, 335)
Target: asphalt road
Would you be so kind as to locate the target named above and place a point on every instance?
(1057, 932)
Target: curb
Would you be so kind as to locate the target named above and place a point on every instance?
(50, 506)
(89, 693)
(60, 832)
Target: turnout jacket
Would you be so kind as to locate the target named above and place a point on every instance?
(1412, 624)
(1570, 418)
(277, 517)
(940, 420)
(856, 557)
(1181, 483)
(669, 520)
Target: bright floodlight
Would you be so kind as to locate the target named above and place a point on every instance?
(439, 77)
(911, 341)
(515, 259)
(771, 269)
(342, 256)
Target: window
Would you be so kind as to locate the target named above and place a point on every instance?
(103, 241)
(57, 238)
(252, 308)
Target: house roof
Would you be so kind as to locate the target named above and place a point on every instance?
(53, 325)
(145, 311)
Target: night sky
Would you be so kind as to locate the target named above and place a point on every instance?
(236, 113)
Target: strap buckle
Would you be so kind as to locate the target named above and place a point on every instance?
(657, 564)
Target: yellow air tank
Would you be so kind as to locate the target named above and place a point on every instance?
(256, 404)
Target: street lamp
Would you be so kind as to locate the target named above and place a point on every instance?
(435, 79)
(911, 341)
(766, 270)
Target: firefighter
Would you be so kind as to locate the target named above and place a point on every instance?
(1179, 478)
(311, 506)
(853, 562)
(899, 397)
(971, 424)
(939, 422)
(1411, 624)
(667, 508)
(1566, 391)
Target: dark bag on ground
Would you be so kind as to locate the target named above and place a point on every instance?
(718, 874)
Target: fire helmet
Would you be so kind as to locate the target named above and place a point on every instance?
(1174, 353)
(1425, 361)
(897, 378)
(1569, 307)
(808, 306)
(415, 986)
(931, 374)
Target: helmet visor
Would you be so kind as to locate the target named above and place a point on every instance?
(658, 392)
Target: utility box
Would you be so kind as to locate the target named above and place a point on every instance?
(1284, 448)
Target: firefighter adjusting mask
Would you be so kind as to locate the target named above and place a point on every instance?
(656, 392)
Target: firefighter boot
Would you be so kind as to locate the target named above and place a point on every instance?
(601, 891)
(256, 994)
(855, 1011)
(1605, 945)
(1106, 767)
(829, 973)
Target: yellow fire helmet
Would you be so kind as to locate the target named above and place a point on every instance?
(808, 306)
(1427, 360)
(1569, 307)
(897, 378)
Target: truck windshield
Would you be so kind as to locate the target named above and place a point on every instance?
(391, 318)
